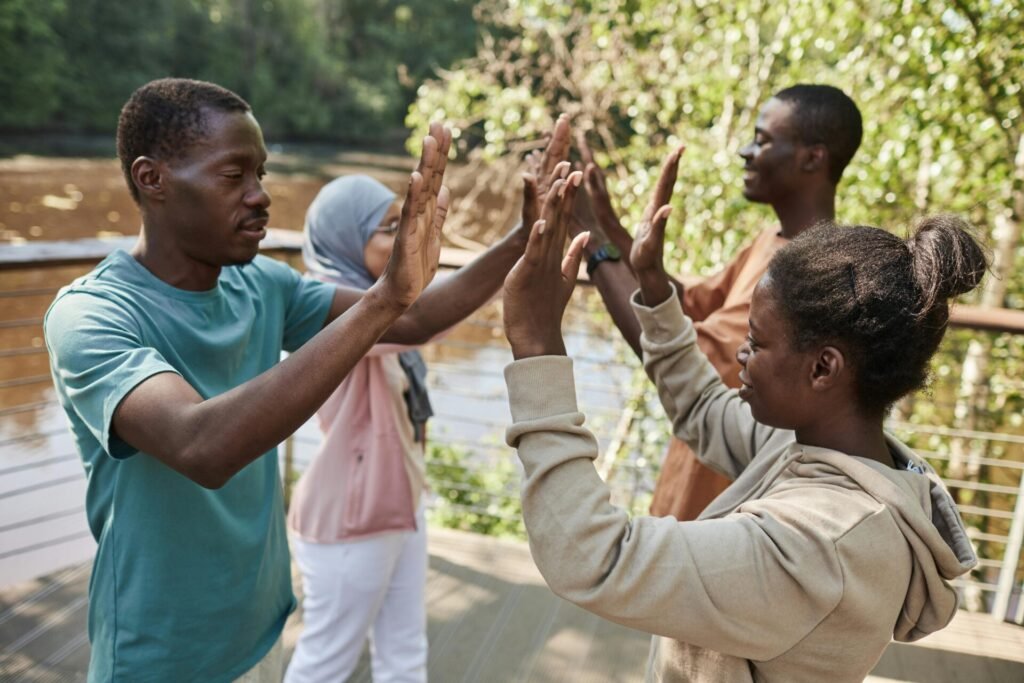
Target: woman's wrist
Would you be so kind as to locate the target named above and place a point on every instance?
(655, 286)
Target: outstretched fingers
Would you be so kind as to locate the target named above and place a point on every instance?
(426, 167)
(567, 199)
(658, 223)
(443, 135)
(441, 212)
(667, 179)
(585, 152)
(574, 257)
(531, 197)
(557, 149)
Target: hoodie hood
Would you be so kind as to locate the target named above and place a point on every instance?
(927, 516)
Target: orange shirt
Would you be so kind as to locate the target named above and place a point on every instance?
(720, 305)
(720, 308)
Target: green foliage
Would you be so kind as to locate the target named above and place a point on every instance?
(471, 496)
(939, 83)
(324, 69)
(31, 59)
(643, 76)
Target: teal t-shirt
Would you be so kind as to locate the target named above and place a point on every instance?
(189, 584)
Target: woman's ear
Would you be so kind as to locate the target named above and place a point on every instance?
(147, 174)
(829, 368)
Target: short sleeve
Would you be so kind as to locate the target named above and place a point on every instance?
(97, 357)
(306, 309)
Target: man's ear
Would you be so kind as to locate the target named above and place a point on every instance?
(148, 176)
(829, 368)
(815, 158)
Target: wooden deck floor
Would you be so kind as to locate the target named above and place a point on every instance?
(491, 619)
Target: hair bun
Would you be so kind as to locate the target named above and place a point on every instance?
(947, 259)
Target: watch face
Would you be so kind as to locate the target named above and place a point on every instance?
(612, 252)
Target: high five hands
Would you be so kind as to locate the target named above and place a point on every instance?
(543, 169)
(538, 287)
(417, 251)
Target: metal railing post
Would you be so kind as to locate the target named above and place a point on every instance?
(1008, 572)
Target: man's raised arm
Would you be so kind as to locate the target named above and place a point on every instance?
(210, 440)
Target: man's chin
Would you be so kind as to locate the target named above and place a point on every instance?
(752, 195)
(241, 259)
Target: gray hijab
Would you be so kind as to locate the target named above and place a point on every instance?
(339, 223)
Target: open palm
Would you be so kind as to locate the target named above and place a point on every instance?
(417, 251)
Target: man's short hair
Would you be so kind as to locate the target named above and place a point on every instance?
(164, 118)
(826, 115)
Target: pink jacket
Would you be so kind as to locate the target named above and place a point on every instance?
(369, 472)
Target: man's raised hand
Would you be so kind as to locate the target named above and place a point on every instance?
(417, 251)
(543, 169)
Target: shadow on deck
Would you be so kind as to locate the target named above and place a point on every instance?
(490, 619)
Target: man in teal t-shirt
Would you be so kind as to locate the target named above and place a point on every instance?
(183, 574)
(165, 360)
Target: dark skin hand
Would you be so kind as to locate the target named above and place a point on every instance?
(451, 299)
(600, 200)
(210, 440)
(647, 253)
(540, 284)
(615, 280)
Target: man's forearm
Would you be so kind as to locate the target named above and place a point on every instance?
(616, 233)
(616, 285)
(450, 300)
(233, 429)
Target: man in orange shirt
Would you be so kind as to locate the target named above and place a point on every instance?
(803, 140)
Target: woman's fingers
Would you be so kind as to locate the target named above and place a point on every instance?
(667, 179)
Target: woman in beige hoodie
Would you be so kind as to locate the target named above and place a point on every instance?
(834, 537)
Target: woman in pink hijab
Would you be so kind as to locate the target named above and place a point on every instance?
(356, 516)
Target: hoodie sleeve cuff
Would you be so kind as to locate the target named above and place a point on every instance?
(663, 323)
(540, 387)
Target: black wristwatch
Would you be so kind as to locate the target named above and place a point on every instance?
(606, 252)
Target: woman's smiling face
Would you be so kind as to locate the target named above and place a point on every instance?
(775, 377)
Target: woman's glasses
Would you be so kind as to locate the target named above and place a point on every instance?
(389, 228)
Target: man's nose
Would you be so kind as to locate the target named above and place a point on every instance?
(258, 197)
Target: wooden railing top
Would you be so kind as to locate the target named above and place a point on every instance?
(58, 253)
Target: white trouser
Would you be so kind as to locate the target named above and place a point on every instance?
(352, 590)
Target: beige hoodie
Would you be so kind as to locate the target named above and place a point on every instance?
(802, 570)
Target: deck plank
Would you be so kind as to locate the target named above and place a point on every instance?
(490, 618)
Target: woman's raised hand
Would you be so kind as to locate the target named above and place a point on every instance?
(538, 287)
(648, 252)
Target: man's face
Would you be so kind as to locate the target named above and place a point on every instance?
(772, 159)
(214, 194)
